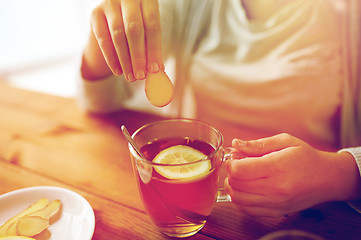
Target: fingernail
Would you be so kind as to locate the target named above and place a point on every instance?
(154, 67)
(130, 77)
(140, 74)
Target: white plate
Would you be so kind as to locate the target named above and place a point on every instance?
(76, 222)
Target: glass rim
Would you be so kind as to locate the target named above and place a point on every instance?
(207, 158)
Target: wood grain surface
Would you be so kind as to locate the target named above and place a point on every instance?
(47, 140)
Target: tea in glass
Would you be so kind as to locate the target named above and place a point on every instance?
(178, 180)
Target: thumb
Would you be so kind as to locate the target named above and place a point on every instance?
(260, 147)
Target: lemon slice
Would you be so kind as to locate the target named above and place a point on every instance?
(181, 154)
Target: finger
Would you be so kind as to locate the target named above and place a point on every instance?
(116, 27)
(254, 204)
(265, 145)
(244, 198)
(134, 31)
(102, 34)
(256, 186)
(237, 154)
(250, 168)
(153, 36)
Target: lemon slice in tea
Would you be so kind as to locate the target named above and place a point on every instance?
(181, 154)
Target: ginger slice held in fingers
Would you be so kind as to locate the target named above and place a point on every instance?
(159, 89)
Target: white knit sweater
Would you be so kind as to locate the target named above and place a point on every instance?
(231, 78)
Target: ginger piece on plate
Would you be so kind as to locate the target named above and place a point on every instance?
(16, 238)
(31, 225)
(49, 211)
(33, 220)
(11, 230)
(41, 203)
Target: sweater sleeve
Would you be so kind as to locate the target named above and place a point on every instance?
(356, 153)
(102, 96)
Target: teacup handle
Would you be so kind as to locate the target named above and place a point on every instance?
(223, 196)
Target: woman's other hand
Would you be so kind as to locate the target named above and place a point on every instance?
(282, 174)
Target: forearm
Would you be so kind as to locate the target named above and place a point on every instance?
(103, 96)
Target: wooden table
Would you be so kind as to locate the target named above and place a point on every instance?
(47, 140)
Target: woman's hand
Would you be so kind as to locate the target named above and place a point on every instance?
(282, 174)
(125, 39)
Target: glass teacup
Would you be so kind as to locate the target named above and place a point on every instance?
(179, 196)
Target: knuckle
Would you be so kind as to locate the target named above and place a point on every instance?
(134, 28)
(116, 28)
(96, 13)
(290, 139)
(95, 16)
(153, 24)
(260, 145)
(103, 41)
(118, 34)
(285, 136)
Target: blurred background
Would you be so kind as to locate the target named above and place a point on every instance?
(41, 42)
